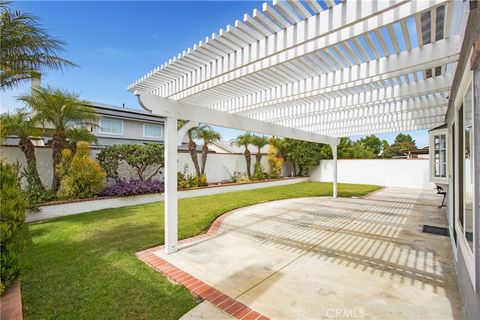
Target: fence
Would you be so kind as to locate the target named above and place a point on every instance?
(413, 173)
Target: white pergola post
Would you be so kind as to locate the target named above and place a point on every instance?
(170, 176)
(334, 179)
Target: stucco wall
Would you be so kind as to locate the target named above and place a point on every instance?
(219, 166)
(389, 172)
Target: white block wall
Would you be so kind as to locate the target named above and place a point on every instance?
(384, 172)
(219, 166)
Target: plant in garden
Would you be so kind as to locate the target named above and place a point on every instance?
(258, 172)
(22, 125)
(82, 177)
(12, 218)
(259, 142)
(207, 135)
(63, 110)
(75, 135)
(27, 49)
(187, 181)
(243, 141)
(275, 159)
(147, 159)
(132, 187)
(34, 194)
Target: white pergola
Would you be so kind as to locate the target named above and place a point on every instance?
(312, 71)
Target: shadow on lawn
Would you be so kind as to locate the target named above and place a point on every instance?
(97, 273)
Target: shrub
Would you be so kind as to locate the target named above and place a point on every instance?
(258, 172)
(275, 159)
(139, 157)
(82, 177)
(12, 218)
(188, 181)
(34, 193)
(132, 187)
(239, 177)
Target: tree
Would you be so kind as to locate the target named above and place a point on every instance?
(191, 145)
(372, 142)
(259, 142)
(23, 126)
(63, 110)
(402, 143)
(303, 154)
(27, 50)
(243, 141)
(207, 135)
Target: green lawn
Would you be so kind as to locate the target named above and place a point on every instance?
(84, 267)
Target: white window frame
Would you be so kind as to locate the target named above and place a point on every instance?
(152, 124)
(432, 134)
(468, 255)
(111, 133)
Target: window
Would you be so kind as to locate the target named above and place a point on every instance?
(152, 130)
(111, 126)
(467, 170)
(438, 156)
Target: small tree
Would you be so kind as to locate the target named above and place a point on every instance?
(303, 154)
(140, 157)
(243, 141)
(402, 143)
(192, 146)
(259, 142)
(207, 135)
(22, 125)
(63, 110)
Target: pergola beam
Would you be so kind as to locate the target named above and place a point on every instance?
(180, 110)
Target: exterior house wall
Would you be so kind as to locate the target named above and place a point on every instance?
(132, 130)
(404, 173)
(467, 262)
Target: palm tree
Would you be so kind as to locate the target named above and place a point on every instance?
(22, 125)
(63, 111)
(75, 135)
(207, 135)
(243, 141)
(191, 145)
(259, 142)
(27, 49)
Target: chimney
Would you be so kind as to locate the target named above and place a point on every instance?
(36, 82)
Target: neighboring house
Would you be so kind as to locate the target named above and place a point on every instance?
(421, 153)
(120, 125)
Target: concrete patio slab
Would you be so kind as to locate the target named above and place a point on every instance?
(313, 258)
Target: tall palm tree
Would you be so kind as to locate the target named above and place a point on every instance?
(243, 141)
(259, 142)
(23, 126)
(191, 145)
(207, 135)
(27, 49)
(62, 110)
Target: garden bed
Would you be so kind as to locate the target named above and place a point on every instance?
(64, 208)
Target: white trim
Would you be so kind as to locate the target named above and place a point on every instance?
(154, 125)
(111, 133)
(432, 134)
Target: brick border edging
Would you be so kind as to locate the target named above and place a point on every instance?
(197, 287)
(11, 303)
(372, 193)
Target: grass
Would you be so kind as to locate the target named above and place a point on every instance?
(84, 267)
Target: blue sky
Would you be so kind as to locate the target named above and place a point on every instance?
(115, 43)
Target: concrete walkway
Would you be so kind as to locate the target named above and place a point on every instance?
(314, 258)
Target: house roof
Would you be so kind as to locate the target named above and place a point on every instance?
(125, 112)
(351, 68)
